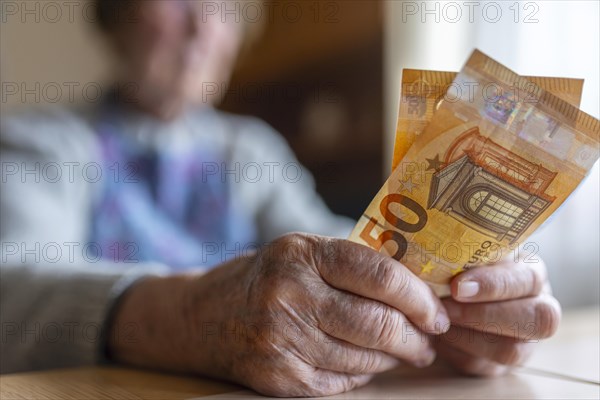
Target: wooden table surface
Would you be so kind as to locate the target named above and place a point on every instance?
(573, 351)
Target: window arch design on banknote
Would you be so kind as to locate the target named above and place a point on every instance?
(477, 172)
(489, 188)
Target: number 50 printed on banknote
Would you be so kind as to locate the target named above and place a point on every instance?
(498, 157)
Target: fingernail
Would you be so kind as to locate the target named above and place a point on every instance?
(468, 289)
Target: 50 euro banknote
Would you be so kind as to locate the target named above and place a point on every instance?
(423, 91)
(498, 157)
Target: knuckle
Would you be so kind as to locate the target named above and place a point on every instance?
(538, 278)
(389, 279)
(386, 325)
(367, 362)
(281, 267)
(501, 288)
(429, 311)
(547, 315)
(290, 247)
(329, 251)
(385, 275)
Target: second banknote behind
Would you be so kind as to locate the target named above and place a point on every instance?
(422, 92)
(492, 164)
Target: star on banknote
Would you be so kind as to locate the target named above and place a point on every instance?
(490, 180)
(434, 163)
(408, 185)
(427, 268)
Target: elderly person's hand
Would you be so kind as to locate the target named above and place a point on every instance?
(498, 313)
(306, 316)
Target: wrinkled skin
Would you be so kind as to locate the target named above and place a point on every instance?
(308, 315)
(499, 326)
(314, 316)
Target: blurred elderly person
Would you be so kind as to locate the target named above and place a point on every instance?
(156, 267)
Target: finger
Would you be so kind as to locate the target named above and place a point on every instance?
(469, 364)
(337, 355)
(530, 318)
(499, 349)
(373, 325)
(505, 280)
(363, 271)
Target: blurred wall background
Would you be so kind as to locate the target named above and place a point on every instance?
(326, 74)
(315, 74)
(50, 44)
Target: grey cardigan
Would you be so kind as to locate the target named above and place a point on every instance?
(54, 299)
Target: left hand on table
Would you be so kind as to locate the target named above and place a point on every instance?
(498, 313)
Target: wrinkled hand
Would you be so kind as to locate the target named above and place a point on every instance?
(498, 313)
(306, 316)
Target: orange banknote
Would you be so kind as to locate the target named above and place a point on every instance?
(498, 157)
(422, 92)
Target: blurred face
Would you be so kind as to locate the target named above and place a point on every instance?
(172, 52)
